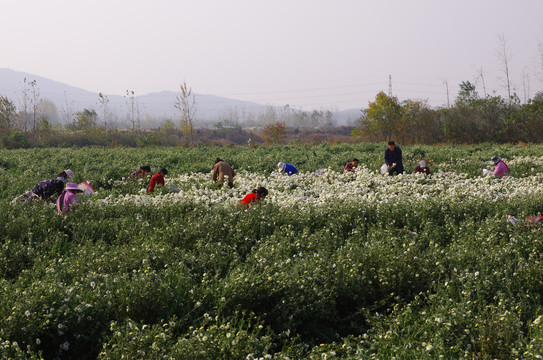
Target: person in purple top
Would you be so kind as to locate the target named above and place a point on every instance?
(501, 168)
(68, 198)
(422, 168)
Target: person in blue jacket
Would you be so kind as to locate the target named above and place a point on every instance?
(286, 168)
(393, 159)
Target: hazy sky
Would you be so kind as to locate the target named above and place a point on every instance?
(305, 53)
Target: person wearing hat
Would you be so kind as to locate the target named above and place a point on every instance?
(254, 197)
(422, 168)
(68, 198)
(64, 175)
(351, 166)
(157, 179)
(221, 171)
(286, 168)
(501, 168)
(393, 159)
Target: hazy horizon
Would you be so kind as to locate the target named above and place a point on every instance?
(308, 54)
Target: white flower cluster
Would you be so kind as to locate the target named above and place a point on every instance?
(308, 190)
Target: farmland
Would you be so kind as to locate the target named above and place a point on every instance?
(327, 266)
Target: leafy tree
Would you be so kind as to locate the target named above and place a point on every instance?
(104, 107)
(467, 92)
(383, 119)
(275, 133)
(8, 115)
(422, 124)
(85, 120)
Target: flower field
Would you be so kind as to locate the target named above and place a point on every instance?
(333, 266)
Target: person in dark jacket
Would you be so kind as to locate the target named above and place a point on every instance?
(47, 188)
(393, 159)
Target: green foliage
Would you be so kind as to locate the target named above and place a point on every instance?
(383, 118)
(85, 120)
(170, 275)
(7, 115)
(16, 140)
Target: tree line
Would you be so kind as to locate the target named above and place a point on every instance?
(470, 119)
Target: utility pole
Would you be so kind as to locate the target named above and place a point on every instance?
(446, 82)
(389, 85)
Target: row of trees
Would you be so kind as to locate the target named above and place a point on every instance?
(471, 119)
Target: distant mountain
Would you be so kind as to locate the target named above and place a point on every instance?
(153, 108)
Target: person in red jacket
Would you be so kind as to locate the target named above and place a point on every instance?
(254, 197)
(157, 179)
(351, 166)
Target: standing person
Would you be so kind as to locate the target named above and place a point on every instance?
(140, 173)
(157, 179)
(501, 168)
(351, 166)
(222, 170)
(286, 168)
(47, 188)
(64, 175)
(422, 168)
(393, 159)
(68, 198)
(254, 197)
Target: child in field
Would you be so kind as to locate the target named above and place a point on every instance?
(351, 166)
(254, 197)
(140, 173)
(68, 198)
(157, 179)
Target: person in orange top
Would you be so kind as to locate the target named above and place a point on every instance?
(254, 197)
(157, 179)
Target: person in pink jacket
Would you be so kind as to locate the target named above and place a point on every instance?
(501, 168)
(68, 198)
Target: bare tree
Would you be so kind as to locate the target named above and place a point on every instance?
(480, 75)
(67, 110)
(103, 106)
(526, 84)
(504, 55)
(24, 105)
(36, 103)
(133, 110)
(186, 104)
